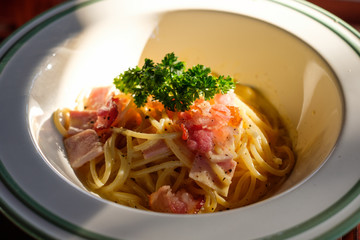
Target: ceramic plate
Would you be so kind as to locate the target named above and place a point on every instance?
(303, 59)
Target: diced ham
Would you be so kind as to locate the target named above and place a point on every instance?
(202, 171)
(157, 149)
(110, 113)
(164, 200)
(98, 97)
(208, 124)
(220, 113)
(81, 120)
(228, 99)
(201, 141)
(83, 147)
(228, 167)
(107, 114)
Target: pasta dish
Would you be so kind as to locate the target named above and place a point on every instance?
(221, 153)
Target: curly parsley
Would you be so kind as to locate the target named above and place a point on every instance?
(171, 84)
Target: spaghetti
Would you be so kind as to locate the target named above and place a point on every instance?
(154, 159)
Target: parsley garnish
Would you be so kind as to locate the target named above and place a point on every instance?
(171, 84)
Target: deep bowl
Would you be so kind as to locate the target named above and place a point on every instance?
(305, 63)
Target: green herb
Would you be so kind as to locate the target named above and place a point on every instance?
(171, 84)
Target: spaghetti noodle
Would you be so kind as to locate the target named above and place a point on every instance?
(221, 154)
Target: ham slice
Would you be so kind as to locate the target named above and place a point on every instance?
(81, 120)
(201, 141)
(159, 148)
(164, 200)
(107, 114)
(110, 113)
(98, 97)
(202, 171)
(83, 147)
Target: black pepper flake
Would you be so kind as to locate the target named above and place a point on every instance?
(92, 122)
(147, 117)
(165, 129)
(230, 170)
(224, 179)
(85, 107)
(108, 118)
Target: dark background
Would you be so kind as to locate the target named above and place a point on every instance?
(14, 13)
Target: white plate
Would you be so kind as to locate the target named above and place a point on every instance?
(79, 44)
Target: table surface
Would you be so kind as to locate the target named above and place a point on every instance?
(15, 13)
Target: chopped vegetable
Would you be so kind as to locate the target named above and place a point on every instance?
(171, 84)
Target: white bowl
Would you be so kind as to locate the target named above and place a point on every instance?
(303, 59)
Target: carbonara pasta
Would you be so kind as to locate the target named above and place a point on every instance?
(221, 154)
